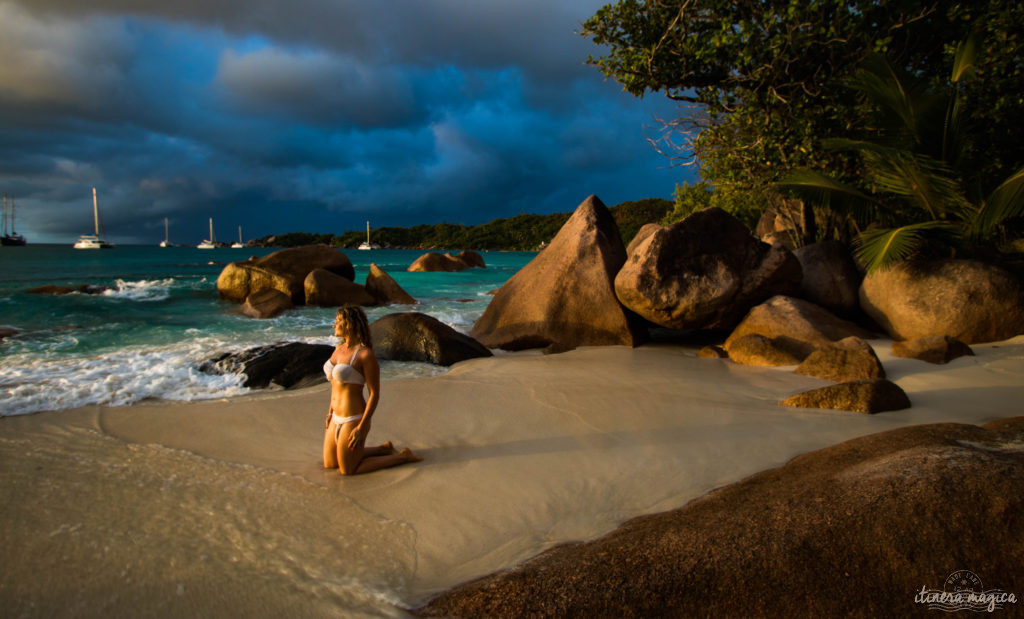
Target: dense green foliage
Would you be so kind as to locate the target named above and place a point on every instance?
(522, 232)
(921, 179)
(762, 83)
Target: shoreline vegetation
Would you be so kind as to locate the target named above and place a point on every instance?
(522, 232)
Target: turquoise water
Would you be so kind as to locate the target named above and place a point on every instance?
(145, 338)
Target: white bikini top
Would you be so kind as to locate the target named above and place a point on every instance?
(344, 372)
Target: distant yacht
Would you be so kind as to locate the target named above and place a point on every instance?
(210, 243)
(366, 244)
(93, 241)
(166, 242)
(239, 244)
(10, 238)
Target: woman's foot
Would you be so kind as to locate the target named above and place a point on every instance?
(409, 456)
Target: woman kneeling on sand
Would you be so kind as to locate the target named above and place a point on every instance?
(351, 367)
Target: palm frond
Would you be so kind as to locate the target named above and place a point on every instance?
(927, 183)
(887, 89)
(1005, 201)
(964, 59)
(823, 190)
(883, 247)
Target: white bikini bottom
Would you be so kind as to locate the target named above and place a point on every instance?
(340, 420)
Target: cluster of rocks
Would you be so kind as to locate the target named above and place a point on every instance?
(404, 336)
(311, 275)
(803, 308)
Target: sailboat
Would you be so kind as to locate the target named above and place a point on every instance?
(93, 241)
(210, 243)
(366, 244)
(11, 238)
(166, 242)
(239, 244)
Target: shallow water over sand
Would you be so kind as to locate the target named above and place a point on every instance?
(160, 318)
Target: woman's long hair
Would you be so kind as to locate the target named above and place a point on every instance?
(355, 325)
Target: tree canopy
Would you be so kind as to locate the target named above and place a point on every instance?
(762, 82)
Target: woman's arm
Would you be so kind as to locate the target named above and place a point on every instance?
(371, 373)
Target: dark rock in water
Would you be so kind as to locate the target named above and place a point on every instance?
(385, 289)
(266, 303)
(847, 360)
(856, 529)
(7, 332)
(326, 289)
(938, 349)
(433, 261)
(965, 299)
(82, 288)
(412, 336)
(289, 365)
(471, 258)
(704, 272)
(566, 294)
(871, 396)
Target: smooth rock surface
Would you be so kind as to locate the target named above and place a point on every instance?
(967, 300)
(289, 365)
(804, 325)
(875, 395)
(326, 289)
(385, 289)
(266, 303)
(937, 349)
(566, 293)
(413, 336)
(704, 272)
(847, 360)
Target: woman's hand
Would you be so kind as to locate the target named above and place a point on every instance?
(356, 436)
(327, 423)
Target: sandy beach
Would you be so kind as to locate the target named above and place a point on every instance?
(222, 507)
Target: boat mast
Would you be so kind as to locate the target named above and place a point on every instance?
(166, 238)
(4, 231)
(95, 213)
(367, 231)
(211, 231)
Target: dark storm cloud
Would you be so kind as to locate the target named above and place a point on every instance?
(310, 114)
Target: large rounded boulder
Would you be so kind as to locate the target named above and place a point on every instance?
(566, 294)
(830, 277)
(801, 325)
(385, 289)
(433, 261)
(283, 270)
(326, 289)
(704, 272)
(412, 336)
(967, 300)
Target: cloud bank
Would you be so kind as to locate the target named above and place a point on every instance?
(309, 115)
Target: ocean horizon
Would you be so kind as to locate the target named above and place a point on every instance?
(160, 317)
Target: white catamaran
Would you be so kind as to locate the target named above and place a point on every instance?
(239, 244)
(93, 241)
(210, 243)
(366, 244)
(166, 242)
